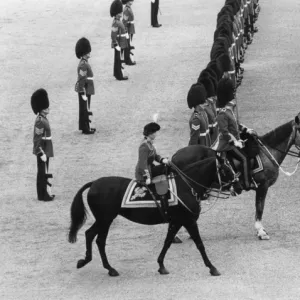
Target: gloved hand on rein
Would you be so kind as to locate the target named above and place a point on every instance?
(148, 181)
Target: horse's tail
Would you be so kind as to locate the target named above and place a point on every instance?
(78, 213)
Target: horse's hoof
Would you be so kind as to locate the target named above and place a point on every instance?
(81, 263)
(264, 237)
(214, 272)
(113, 273)
(163, 271)
(177, 240)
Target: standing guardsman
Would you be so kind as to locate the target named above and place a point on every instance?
(199, 124)
(154, 13)
(42, 143)
(128, 21)
(210, 106)
(84, 85)
(118, 38)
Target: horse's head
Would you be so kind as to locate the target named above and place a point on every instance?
(228, 178)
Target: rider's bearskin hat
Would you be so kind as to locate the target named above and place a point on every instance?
(151, 128)
(39, 101)
(116, 8)
(225, 91)
(82, 47)
(224, 62)
(196, 95)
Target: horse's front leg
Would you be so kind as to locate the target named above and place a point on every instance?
(261, 194)
(172, 231)
(193, 230)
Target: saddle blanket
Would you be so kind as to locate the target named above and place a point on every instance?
(258, 166)
(137, 196)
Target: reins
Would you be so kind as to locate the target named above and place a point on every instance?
(289, 152)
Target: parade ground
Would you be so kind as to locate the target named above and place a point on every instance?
(38, 51)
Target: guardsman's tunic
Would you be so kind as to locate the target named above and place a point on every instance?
(85, 83)
(147, 155)
(128, 19)
(199, 128)
(118, 34)
(42, 140)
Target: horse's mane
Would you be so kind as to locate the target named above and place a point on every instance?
(278, 134)
(199, 162)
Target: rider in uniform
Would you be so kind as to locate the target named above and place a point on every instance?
(118, 38)
(199, 124)
(145, 170)
(42, 143)
(229, 130)
(84, 85)
(128, 21)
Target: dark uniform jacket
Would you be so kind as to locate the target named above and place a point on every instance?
(118, 35)
(85, 80)
(128, 19)
(147, 155)
(210, 109)
(199, 128)
(42, 140)
(229, 130)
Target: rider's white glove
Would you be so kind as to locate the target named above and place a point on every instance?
(148, 181)
(251, 131)
(84, 97)
(165, 161)
(118, 48)
(44, 157)
(238, 144)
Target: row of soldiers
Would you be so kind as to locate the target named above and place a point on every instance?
(121, 35)
(234, 32)
(122, 32)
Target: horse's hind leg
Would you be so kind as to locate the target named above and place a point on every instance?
(193, 230)
(103, 228)
(172, 231)
(89, 237)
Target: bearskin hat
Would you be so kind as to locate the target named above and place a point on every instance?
(224, 62)
(213, 65)
(39, 101)
(225, 91)
(126, 1)
(151, 128)
(82, 47)
(196, 95)
(116, 8)
(209, 86)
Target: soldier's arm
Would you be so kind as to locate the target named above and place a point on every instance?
(143, 159)
(39, 131)
(195, 131)
(82, 78)
(114, 35)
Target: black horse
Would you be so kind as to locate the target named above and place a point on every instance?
(272, 150)
(105, 197)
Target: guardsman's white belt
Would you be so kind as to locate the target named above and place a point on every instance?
(131, 22)
(90, 78)
(205, 133)
(122, 35)
(46, 138)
